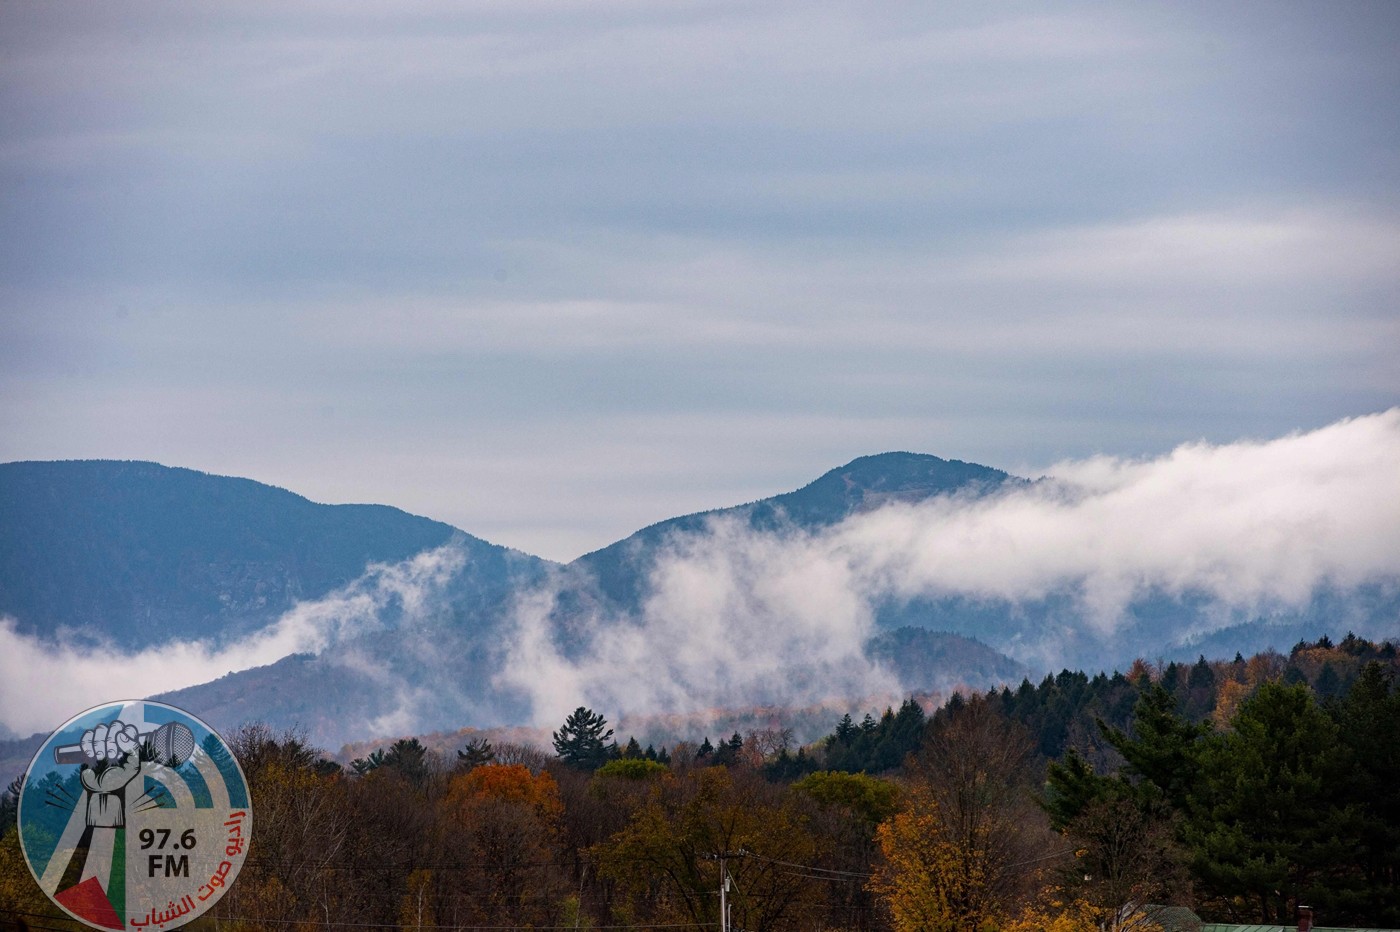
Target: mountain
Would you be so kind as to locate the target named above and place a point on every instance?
(863, 484)
(440, 672)
(141, 554)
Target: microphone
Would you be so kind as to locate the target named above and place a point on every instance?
(173, 743)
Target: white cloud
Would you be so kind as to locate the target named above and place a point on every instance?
(732, 619)
(42, 684)
(1249, 524)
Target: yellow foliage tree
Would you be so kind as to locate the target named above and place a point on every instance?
(927, 883)
(1227, 702)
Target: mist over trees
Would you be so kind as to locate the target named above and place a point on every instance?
(1239, 788)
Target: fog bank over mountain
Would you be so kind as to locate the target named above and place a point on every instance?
(777, 602)
(1108, 559)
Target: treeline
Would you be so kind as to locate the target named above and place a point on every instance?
(1240, 788)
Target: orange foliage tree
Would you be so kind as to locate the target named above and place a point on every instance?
(498, 838)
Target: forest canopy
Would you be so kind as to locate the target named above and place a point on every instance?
(1240, 788)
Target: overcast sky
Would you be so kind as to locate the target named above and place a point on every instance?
(554, 271)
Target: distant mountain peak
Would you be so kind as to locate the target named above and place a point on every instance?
(863, 484)
(868, 482)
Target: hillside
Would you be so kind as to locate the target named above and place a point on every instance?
(141, 553)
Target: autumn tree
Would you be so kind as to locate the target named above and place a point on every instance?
(303, 821)
(926, 881)
(499, 832)
(846, 809)
(978, 769)
(666, 862)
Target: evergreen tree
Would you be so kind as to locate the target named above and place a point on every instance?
(1368, 721)
(1266, 823)
(728, 752)
(1328, 684)
(410, 758)
(9, 804)
(582, 742)
(1201, 675)
(1071, 786)
(787, 767)
(477, 752)
(363, 765)
(1171, 678)
(1164, 749)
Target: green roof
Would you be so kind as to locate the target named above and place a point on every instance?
(1232, 927)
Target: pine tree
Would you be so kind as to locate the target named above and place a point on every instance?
(1368, 720)
(1164, 749)
(477, 752)
(582, 742)
(1266, 823)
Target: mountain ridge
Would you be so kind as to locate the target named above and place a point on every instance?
(139, 552)
(431, 658)
(834, 495)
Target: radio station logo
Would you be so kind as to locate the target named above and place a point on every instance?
(134, 815)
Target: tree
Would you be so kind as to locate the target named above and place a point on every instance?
(363, 765)
(1368, 721)
(975, 767)
(1125, 852)
(9, 804)
(847, 809)
(502, 823)
(477, 752)
(666, 862)
(727, 755)
(409, 757)
(582, 742)
(1164, 748)
(927, 882)
(303, 823)
(1267, 821)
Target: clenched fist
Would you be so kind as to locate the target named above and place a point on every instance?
(110, 742)
(113, 762)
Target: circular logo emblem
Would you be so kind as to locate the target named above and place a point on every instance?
(134, 815)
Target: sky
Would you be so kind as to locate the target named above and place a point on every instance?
(554, 271)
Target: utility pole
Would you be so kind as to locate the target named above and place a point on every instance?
(723, 897)
(724, 923)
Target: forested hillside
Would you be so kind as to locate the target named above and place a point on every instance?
(1241, 788)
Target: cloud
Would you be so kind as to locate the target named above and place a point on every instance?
(1248, 524)
(42, 684)
(735, 616)
(733, 619)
